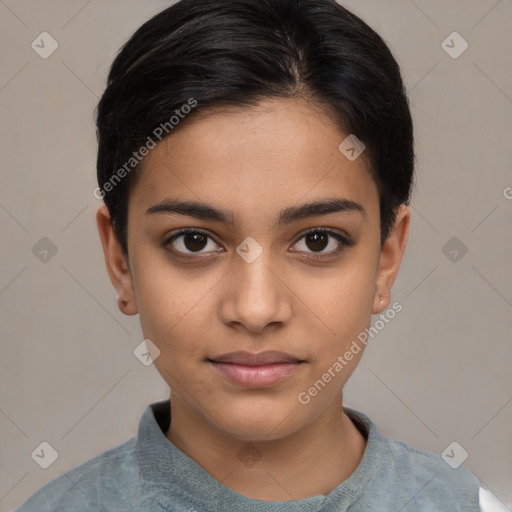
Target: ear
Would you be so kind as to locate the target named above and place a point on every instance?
(390, 259)
(117, 266)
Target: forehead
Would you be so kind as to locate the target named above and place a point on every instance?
(254, 161)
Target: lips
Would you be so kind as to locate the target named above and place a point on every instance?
(256, 370)
(260, 359)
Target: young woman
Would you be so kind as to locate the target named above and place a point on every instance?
(256, 162)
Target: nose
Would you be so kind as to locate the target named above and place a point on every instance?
(256, 297)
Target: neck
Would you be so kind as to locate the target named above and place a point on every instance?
(311, 461)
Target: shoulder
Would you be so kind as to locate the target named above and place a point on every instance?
(409, 457)
(459, 483)
(112, 476)
(415, 478)
(420, 469)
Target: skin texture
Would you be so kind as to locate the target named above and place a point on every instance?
(255, 163)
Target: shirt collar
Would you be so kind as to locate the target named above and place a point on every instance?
(165, 466)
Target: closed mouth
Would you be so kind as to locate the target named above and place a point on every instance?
(268, 357)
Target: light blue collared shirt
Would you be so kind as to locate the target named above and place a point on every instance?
(148, 473)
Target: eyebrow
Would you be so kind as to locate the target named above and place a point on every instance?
(205, 211)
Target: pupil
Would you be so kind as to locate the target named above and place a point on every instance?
(318, 239)
(195, 241)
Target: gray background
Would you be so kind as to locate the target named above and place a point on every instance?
(439, 372)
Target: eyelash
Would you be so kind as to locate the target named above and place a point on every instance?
(344, 241)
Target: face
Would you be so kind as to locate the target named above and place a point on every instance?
(259, 270)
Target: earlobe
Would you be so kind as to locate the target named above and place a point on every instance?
(117, 266)
(390, 259)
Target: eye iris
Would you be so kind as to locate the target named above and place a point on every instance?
(193, 240)
(317, 238)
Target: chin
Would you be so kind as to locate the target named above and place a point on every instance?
(258, 423)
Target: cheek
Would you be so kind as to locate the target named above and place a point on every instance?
(172, 311)
(347, 298)
(159, 298)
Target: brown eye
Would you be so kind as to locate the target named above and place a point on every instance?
(190, 242)
(318, 240)
(195, 242)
